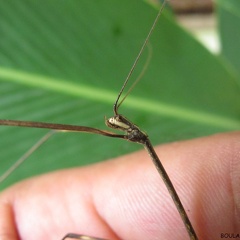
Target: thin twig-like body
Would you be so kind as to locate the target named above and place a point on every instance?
(148, 146)
(134, 134)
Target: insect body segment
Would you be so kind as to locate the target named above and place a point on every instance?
(133, 133)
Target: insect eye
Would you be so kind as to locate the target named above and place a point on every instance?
(111, 120)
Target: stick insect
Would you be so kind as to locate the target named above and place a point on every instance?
(119, 122)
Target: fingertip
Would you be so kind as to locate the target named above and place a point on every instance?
(7, 222)
(200, 170)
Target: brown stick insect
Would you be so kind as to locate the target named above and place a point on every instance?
(132, 133)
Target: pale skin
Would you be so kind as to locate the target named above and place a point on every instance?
(125, 198)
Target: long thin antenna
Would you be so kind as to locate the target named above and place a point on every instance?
(139, 76)
(115, 106)
(58, 127)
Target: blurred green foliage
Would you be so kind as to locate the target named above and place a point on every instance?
(65, 61)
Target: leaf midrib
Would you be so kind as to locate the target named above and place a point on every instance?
(107, 96)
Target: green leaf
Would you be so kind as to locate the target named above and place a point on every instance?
(229, 29)
(65, 61)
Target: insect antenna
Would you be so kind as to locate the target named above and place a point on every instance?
(116, 104)
(139, 76)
